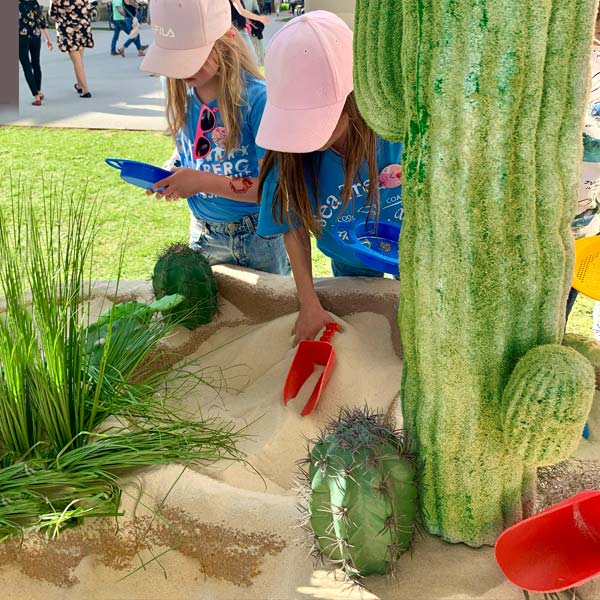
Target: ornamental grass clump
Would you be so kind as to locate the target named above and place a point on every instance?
(61, 377)
(488, 97)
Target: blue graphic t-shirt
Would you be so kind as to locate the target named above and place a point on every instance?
(328, 209)
(241, 162)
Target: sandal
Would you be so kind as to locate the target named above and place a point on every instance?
(78, 89)
(37, 102)
(86, 95)
(121, 51)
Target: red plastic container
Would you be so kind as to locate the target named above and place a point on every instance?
(556, 549)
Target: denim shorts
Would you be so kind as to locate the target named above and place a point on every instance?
(236, 243)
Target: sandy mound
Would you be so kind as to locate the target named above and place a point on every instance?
(230, 532)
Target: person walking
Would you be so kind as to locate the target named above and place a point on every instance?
(256, 35)
(31, 26)
(121, 22)
(240, 19)
(132, 9)
(74, 35)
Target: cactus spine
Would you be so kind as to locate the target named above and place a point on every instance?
(362, 498)
(490, 103)
(182, 270)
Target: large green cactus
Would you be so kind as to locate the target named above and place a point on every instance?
(488, 96)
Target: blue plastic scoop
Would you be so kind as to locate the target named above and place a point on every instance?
(137, 173)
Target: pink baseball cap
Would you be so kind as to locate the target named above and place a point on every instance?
(185, 32)
(308, 68)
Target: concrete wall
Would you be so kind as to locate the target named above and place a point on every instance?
(343, 8)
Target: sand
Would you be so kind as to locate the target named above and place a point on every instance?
(230, 532)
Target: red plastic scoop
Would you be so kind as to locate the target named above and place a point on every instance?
(309, 354)
(556, 549)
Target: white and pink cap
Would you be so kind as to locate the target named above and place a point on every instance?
(308, 68)
(185, 32)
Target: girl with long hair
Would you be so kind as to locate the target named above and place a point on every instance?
(325, 167)
(215, 99)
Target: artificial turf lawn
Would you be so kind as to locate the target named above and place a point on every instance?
(76, 157)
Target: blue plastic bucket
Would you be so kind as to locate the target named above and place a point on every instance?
(376, 244)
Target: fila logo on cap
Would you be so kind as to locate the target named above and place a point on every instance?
(160, 30)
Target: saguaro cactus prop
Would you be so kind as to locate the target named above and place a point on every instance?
(488, 96)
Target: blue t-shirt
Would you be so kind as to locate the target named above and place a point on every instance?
(328, 209)
(240, 162)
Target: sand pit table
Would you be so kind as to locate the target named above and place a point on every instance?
(230, 532)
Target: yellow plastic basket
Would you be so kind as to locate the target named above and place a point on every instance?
(586, 278)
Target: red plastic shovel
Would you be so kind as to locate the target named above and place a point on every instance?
(556, 549)
(309, 354)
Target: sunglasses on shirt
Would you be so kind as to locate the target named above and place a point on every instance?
(206, 123)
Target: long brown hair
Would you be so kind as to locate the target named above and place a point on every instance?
(291, 194)
(233, 59)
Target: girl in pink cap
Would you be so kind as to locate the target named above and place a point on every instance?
(215, 99)
(325, 167)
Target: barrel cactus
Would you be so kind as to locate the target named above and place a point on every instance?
(361, 493)
(488, 96)
(182, 270)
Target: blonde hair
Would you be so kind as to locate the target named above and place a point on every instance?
(291, 193)
(233, 60)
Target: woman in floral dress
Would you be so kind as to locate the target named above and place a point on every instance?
(74, 34)
(31, 25)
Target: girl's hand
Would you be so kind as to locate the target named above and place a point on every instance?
(182, 184)
(311, 319)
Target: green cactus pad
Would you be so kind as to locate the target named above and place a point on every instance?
(546, 404)
(182, 270)
(491, 106)
(362, 497)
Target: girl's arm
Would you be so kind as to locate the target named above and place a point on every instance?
(312, 317)
(185, 183)
(247, 14)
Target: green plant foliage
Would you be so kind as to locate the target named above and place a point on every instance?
(61, 378)
(182, 270)
(123, 322)
(490, 105)
(361, 493)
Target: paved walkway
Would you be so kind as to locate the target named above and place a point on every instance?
(123, 97)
